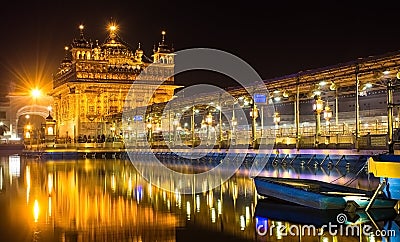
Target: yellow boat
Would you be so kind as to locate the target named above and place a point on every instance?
(386, 166)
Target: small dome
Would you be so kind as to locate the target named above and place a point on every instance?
(81, 42)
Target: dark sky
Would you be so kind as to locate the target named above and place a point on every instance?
(276, 38)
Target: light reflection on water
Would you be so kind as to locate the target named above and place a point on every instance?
(107, 200)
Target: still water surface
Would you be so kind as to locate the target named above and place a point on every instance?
(107, 200)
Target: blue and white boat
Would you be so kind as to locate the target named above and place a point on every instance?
(320, 195)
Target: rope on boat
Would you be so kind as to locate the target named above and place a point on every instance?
(352, 179)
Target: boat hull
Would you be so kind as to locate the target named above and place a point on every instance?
(303, 197)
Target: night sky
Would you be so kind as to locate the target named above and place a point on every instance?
(276, 39)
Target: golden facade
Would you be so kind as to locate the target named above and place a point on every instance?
(94, 79)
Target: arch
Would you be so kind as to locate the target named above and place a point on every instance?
(162, 60)
(78, 54)
(88, 55)
(170, 60)
(33, 110)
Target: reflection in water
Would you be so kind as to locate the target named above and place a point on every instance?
(107, 200)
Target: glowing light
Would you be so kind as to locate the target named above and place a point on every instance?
(163, 32)
(49, 108)
(14, 163)
(50, 183)
(277, 99)
(28, 182)
(139, 193)
(1, 178)
(129, 192)
(112, 27)
(113, 184)
(1, 123)
(213, 215)
(66, 48)
(368, 85)
(242, 223)
(81, 27)
(188, 210)
(317, 93)
(27, 116)
(198, 203)
(36, 210)
(50, 131)
(36, 93)
(248, 215)
(219, 207)
(49, 206)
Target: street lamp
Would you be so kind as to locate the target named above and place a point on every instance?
(234, 123)
(327, 117)
(327, 114)
(277, 118)
(254, 115)
(149, 131)
(175, 123)
(318, 106)
(208, 120)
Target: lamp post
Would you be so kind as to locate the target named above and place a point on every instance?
(192, 125)
(175, 124)
(390, 115)
(277, 120)
(149, 127)
(357, 131)
(318, 106)
(208, 120)
(254, 115)
(334, 87)
(328, 116)
(27, 134)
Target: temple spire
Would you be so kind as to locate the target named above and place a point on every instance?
(112, 29)
(81, 28)
(163, 33)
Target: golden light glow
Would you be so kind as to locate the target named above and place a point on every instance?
(81, 27)
(112, 27)
(36, 210)
(36, 93)
(49, 206)
(163, 32)
(50, 183)
(188, 210)
(113, 183)
(28, 182)
(66, 48)
(28, 127)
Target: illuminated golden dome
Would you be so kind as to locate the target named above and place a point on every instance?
(115, 50)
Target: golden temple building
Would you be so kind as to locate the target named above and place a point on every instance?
(93, 80)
